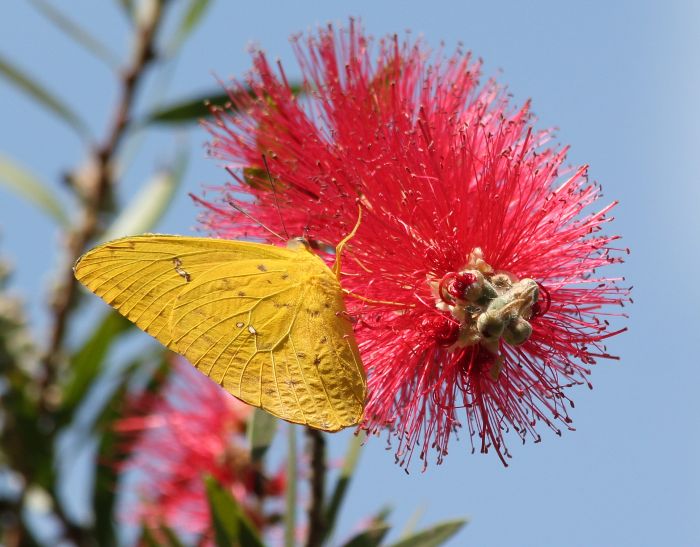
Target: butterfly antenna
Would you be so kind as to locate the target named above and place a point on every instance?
(274, 193)
(339, 247)
(251, 217)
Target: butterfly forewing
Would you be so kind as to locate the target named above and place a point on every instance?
(267, 323)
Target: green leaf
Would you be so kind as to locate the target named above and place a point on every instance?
(128, 8)
(172, 539)
(290, 514)
(433, 536)
(231, 526)
(412, 521)
(261, 430)
(147, 539)
(191, 18)
(352, 456)
(223, 510)
(150, 204)
(109, 459)
(76, 32)
(25, 83)
(188, 110)
(383, 514)
(111, 454)
(193, 109)
(88, 362)
(22, 182)
(372, 537)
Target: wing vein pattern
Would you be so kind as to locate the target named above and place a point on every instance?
(266, 323)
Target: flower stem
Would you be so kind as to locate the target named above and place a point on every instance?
(317, 479)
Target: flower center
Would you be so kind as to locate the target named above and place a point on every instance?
(487, 306)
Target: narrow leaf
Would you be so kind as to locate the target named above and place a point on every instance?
(231, 526)
(372, 537)
(150, 204)
(76, 32)
(109, 460)
(193, 109)
(171, 538)
(22, 182)
(25, 83)
(382, 515)
(290, 514)
(88, 362)
(261, 430)
(352, 456)
(191, 18)
(113, 437)
(412, 521)
(147, 539)
(434, 536)
(128, 8)
(223, 513)
(188, 110)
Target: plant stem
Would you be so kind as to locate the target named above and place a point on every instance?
(290, 514)
(95, 191)
(92, 185)
(317, 480)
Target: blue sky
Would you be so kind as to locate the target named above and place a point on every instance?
(620, 81)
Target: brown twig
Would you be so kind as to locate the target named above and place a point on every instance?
(95, 190)
(317, 523)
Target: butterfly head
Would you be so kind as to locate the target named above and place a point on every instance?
(299, 242)
(311, 245)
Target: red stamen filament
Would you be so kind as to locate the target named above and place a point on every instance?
(455, 285)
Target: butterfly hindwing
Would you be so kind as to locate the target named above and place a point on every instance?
(267, 323)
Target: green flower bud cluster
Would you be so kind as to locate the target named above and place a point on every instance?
(490, 306)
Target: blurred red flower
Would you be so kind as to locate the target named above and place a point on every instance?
(173, 439)
(483, 244)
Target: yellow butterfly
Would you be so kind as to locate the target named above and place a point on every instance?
(267, 323)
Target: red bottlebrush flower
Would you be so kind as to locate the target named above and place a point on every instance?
(193, 428)
(474, 235)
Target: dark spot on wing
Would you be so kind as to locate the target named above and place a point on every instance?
(180, 270)
(226, 284)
